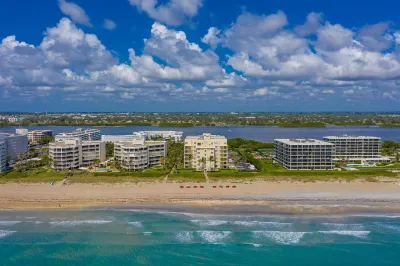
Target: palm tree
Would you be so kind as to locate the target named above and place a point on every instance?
(162, 161)
(96, 162)
(203, 161)
(211, 160)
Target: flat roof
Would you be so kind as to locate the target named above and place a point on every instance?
(304, 142)
(351, 137)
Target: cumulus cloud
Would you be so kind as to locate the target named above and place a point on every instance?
(262, 57)
(172, 13)
(311, 26)
(212, 37)
(109, 24)
(75, 12)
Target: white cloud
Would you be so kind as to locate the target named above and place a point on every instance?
(334, 37)
(376, 37)
(212, 37)
(109, 24)
(313, 23)
(174, 12)
(75, 12)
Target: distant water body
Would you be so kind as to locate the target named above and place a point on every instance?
(137, 237)
(260, 133)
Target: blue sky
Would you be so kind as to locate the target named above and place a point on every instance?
(199, 55)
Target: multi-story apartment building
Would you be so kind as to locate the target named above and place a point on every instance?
(139, 154)
(15, 144)
(21, 131)
(83, 134)
(304, 154)
(353, 148)
(37, 136)
(74, 153)
(117, 138)
(174, 135)
(3, 154)
(206, 152)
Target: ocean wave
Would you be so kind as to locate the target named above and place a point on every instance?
(347, 227)
(79, 222)
(214, 237)
(8, 223)
(286, 238)
(253, 244)
(4, 233)
(184, 236)
(136, 224)
(390, 226)
(147, 233)
(360, 234)
(209, 222)
(259, 223)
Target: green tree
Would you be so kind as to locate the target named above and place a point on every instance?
(109, 149)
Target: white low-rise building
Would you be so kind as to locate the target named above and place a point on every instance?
(139, 154)
(83, 134)
(3, 154)
(37, 136)
(74, 153)
(304, 154)
(117, 138)
(174, 135)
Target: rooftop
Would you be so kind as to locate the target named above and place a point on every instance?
(304, 142)
(351, 137)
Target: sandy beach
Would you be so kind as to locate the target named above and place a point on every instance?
(283, 196)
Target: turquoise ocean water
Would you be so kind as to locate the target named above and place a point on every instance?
(136, 237)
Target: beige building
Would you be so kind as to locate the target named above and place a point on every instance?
(139, 154)
(36, 136)
(206, 152)
(74, 153)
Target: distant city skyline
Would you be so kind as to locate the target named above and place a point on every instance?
(199, 56)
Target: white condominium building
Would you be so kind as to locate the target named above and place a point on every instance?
(117, 138)
(304, 154)
(206, 152)
(21, 131)
(139, 154)
(174, 135)
(74, 153)
(355, 147)
(15, 144)
(3, 154)
(83, 134)
(37, 136)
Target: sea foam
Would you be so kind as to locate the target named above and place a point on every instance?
(80, 222)
(4, 233)
(8, 223)
(280, 237)
(136, 224)
(360, 234)
(184, 236)
(214, 237)
(209, 222)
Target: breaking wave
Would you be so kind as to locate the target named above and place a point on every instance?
(80, 222)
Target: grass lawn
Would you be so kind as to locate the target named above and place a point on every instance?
(34, 176)
(182, 175)
(90, 178)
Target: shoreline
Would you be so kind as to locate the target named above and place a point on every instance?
(281, 197)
